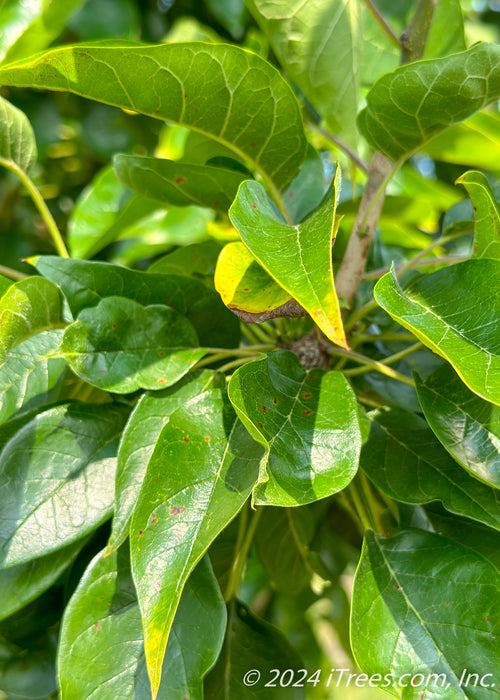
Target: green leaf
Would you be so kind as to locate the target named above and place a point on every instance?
(298, 257)
(205, 87)
(21, 584)
(17, 140)
(415, 102)
(452, 311)
(196, 260)
(243, 284)
(27, 671)
(409, 610)
(252, 644)
(487, 214)
(231, 14)
(318, 43)
(58, 479)
(308, 424)
(212, 466)
(307, 189)
(29, 27)
(467, 426)
(94, 212)
(84, 284)
(121, 346)
(446, 34)
(282, 542)
(103, 614)
(179, 184)
(28, 375)
(404, 459)
(475, 143)
(5, 283)
(151, 413)
(28, 307)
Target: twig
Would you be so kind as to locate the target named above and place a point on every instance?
(12, 274)
(343, 146)
(414, 38)
(380, 19)
(374, 364)
(401, 269)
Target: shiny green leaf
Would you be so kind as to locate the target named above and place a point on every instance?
(84, 284)
(319, 44)
(297, 257)
(446, 34)
(28, 307)
(487, 214)
(423, 604)
(103, 614)
(453, 311)
(231, 14)
(26, 27)
(475, 143)
(196, 260)
(415, 102)
(121, 346)
(466, 425)
(243, 284)
(57, 475)
(21, 584)
(17, 140)
(199, 476)
(307, 189)
(28, 375)
(308, 424)
(205, 87)
(252, 644)
(179, 184)
(138, 441)
(407, 462)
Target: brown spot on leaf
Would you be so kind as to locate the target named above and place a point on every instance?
(254, 206)
(275, 400)
(162, 380)
(307, 412)
(253, 144)
(398, 588)
(264, 409)
(259, 425)
(97, 625)
(449, 604)
(154, 519)
(179, 180)
(207, 438)
(176, 511)
(161, 353)
(185, 439)
(113, 325)
(306, 395)
(141, 533)
(103, 371)
(185, 96)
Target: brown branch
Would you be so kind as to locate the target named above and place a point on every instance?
(350, 153)
(292, 309)
(414, 37)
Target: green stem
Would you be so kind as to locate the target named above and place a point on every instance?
(12, 274)
(360, 507)
(237, 363)
(382, 22)
(387, 361)
(261, 334)
(361, 313)
(41, 206)
(241, 556)
(369, 362)
(242, 526)
(248, 333)
(242, 351)
(382, 338)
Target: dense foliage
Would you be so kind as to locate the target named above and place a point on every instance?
(249, 349)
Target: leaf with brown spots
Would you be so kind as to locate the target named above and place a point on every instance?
(312, 449)
(179, 184)
(195, 489)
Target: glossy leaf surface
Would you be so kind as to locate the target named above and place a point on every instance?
(453, 311)
(297, 257)
(179, 184)
(415, 102)
(406, 461)
(199, 476)
(28, 307)
(103, 614)
(318, 43)
(487, 214)
(204, 87)
(84, 284)
(138, 441)
(466, 425)
(17, 140)
(243, 284)
(409, 609)
(27, 375)
(121, 346)
(307, 422)
(57, 474)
